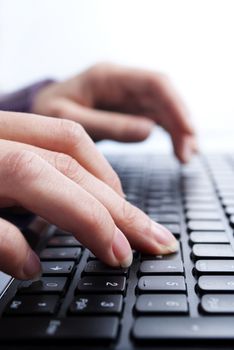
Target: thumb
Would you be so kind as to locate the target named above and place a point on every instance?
(16, 257)
(104, 124)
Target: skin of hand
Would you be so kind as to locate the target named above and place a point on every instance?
(51, 167)
(119, 103)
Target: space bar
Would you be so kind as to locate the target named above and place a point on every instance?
(150, 328)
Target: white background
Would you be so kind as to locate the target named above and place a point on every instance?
(190, 40)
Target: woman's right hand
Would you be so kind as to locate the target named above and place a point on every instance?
(52, 168)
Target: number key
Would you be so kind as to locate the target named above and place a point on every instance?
(102, 284)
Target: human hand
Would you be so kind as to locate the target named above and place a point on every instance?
(120, 103)
(51, 167)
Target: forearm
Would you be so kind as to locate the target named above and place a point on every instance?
(21, 101)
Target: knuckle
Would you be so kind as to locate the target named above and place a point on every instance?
(22, 166)
(133, 217)
(113, 181)
(72, 133)
(128, 213)
(54, 108)
(98, 216)
(67, 165)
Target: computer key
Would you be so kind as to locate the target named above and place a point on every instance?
(228, 202)
(209, 237)
(172, 257)
(152, 328)
(212, 251)
(229, 210)
(217, 303)
(63, 241)
(96, 304)
(203, 215)
(201, 206)
(54, 285)
(57, 267)
(216, 283)
(32, 305)
(60, 254)
(84, 328)
(59, 232)
(161, 283)
(101, 284)
(199, 225)
(231, 220)
(96, 267)
(167, 218)
(174, 229)
(162, 209)
(199, 199)
(162, 304)
(214, 266)
(151, 267)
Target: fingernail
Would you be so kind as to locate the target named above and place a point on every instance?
(121, 249)
(165, 238)
(32, 267)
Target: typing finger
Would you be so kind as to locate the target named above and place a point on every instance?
(35, 184)
(142, 233)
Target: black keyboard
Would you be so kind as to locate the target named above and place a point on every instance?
(185, 299)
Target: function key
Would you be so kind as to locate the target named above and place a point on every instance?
(44, 285)
(212, 251)
(60, 254)
(161, 283)
(162, 304)
(161, 267)
(57, 267)
(32, 305)
(99, 284)
(96, 304)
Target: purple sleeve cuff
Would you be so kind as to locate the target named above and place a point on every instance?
(21, 101)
